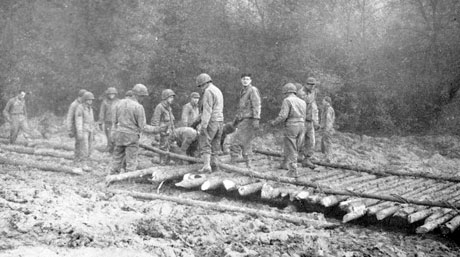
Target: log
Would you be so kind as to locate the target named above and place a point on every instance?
(430, 226)
(436, 215)
(212, 183)
(41, 165)
(33, 151)
(420, 215)
(451, 226)
(192, 180)
(250, 189)
(296, 219)
(370, 171)
(172, 155)
(325, 188)
(158, 173)
(269, 192)
(232, 184)
(333, 200)
(382, 214)
(302, 195)
(353, 215)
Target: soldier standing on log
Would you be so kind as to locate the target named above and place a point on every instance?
(84, 127)
(191, 110)
(211, 125)
(311, 123)
(70, 120)
(163, 120)
(128, 123)
(106, 115)
(293, 115)
(248, 117)
(15, 113)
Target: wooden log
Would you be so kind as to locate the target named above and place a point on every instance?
(450, 226)
(296, 219)
(370, 171)
(212, 183)
(158, 173)
(325, 188)
(269, 192)
(50, 144)
(420, 215)
(353, 215)
(192, 180)
(232, 184)
(172, 155)
(384, 213)
(41, 165)
(430, 226)
(250, 189)
(333, 200)
(302, 195)
(436, 215)
(335, 178)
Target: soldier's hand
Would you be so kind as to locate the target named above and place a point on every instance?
(255, 123)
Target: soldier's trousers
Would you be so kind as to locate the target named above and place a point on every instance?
(110, 141)
(293, 139)
(125, 152)
(85, 146)
(243, 138)
(326, 142)
(18, 123)
(308, 146)
(210, 141)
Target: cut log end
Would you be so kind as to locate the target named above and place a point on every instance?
(230, 185)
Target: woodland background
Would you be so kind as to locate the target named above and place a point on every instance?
(390, 66)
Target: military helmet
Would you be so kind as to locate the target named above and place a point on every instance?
(202, 79)
(140, 90)
(194, 95)
(289, 88)
(82, 92)
(88, 96)
(167, 93)
(111, 90)
(311, 81)
(129, 93)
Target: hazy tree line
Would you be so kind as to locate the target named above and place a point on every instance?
(389, 66)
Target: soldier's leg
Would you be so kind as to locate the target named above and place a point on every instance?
(248, 134)
(118, 159)
(85, 145)
(164, 145)
(14, 129)
(290, 146)
(326, 142)
(24, 127)
(216, 134)
(205, 145)
(237, 142)
(308, 145)
(132, 151)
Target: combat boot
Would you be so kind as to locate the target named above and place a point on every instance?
(214, 161)
(308, 164)
(207, 164)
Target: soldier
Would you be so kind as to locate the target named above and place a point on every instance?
(186, 139)
(212, 119)
(163, 117)
(106, 115)
(248, 117)
(84, 126)
(70, 120)
(191, 111)
(293, 115)
(15, 113)
(311, 123)
(128, 123)
(327, 126)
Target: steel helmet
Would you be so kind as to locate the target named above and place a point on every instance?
(165, 94)
(140, 90)
(88, 96)
(311, 81)
(289, 88)
(111, 90)
(194, 95)
(202, 79)
(82, 92)
(129, 93)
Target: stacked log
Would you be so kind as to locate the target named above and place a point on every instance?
(41, 165)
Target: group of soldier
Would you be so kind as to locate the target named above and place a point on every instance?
(202, 129)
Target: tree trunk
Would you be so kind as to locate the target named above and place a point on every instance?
(451, 226)
(269, 192)
(296, 219)
(193, 180)
(212, 183)
(430, 226)
(232, 184)
(41, 165)
(250, 189)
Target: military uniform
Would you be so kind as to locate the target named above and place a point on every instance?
(106, 117)
(293, 113)
(129, 121)
(311, 122)
(187, 139)
(163, 116)
(190, 114)
(84, 128)
(70, 123)
(15, 113)
(327, 124)
(248, 111)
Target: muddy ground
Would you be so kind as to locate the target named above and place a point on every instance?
(57, 214)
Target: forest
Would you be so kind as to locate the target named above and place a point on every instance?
(390, 66)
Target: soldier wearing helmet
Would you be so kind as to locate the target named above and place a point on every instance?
(191, 110)
(311, 122)
(247, 120)
(70, 120)
(211, 124)
(128, 123)
(15, 112)
(163, 119)
(292, 114)
(106, 115)
(84, 124)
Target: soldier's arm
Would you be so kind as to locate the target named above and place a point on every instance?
(207, 109)
(156, 116)
(329, 118)
(284, 112)
(79, 121)
(314, 110)
(6, 110)
(256, 103)
(70, 116)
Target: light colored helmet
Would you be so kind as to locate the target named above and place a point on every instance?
(82, 92)
(165, 94)
(88, 96)
(111, 90)
(311, 80)
(194, 95)
(140, 90)
(289, 88)
(129, 93)
(202, 79)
